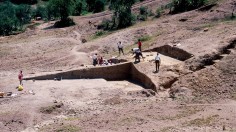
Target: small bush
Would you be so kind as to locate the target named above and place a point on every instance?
(123, 16)
(99, 6)
(144, 38)
(40, 11)
(105, 25)
(78, 8)
(64, 23)
(233, 15)
(143, 10)
(30, 2)
(143, 13)
(99, 33)
(150, 13)
(142, 17)
(159, 11)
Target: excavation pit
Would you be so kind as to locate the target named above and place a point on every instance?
(172, 51)
(119, 72)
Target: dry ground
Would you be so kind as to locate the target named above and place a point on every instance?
(203, 93)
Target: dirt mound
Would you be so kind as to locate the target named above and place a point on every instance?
(113, 101)
(53, 109)
(142, 93)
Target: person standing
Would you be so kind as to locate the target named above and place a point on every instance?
(120, 47)
(139, 45)
(95, 59)
(157, 61)
(101, 61)
(20, 77)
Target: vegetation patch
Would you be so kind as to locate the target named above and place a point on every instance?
(68, 128)
(168, 129)
(233, 96)
(144, 38)
(13, 17)
(202, 121)
(72, 119)
(51, 109)
(99, 34)
(62, 128)
(186, 5)
(187, 111)
(64, 23)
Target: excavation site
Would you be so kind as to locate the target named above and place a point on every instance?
(160, 66)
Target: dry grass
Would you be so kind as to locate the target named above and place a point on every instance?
(68, 128)
(202, 121)
(186, 111)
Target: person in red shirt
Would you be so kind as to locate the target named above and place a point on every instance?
(20, 77)
(101, 61)
(139, 45)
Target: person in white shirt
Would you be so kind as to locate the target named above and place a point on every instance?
(95, 59)
(120, 47)
(157, 61)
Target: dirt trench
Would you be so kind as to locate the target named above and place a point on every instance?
(214, 58)
(172, 51)
(124, 71)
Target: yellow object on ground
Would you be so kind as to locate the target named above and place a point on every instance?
(20, 88)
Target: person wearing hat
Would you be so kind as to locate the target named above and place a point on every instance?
(157, 61)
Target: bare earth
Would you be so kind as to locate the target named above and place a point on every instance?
(195, 95)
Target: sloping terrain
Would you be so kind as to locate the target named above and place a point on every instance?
(196, 93)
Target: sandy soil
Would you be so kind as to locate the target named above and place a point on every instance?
(195, 95)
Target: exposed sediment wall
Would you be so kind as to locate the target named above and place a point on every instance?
(173, 52)
(124, 71)
(138, 76)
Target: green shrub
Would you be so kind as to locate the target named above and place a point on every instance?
(144, 38)
(150, 13)
(64, 23)
(142, 17)
(158, 12)
(13, 17)
(99, 6)
(186, 5)
(143, 10)
(79, 7)
(99, 33)
(22, 13)
(61, 8)
(105, 25)
(31, 2)
(122, 13)
(143, 13)
(90, 5)
(40, 11)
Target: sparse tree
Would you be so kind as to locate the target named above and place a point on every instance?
(122, 12)
(61, 8)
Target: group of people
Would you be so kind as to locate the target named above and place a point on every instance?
(137, 52)
(100, 60)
